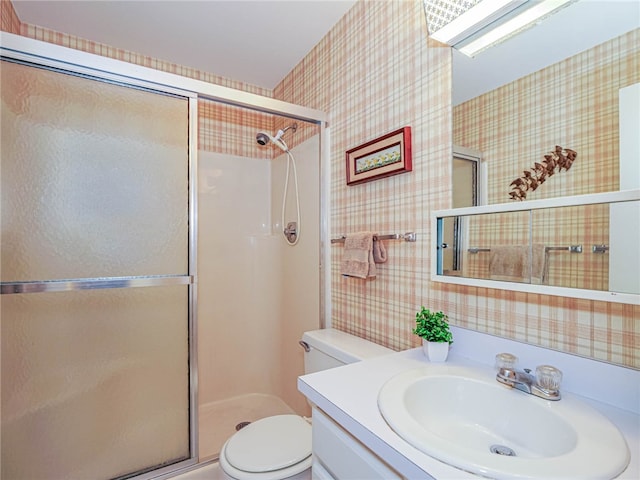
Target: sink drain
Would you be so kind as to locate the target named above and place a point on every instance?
(502, 450)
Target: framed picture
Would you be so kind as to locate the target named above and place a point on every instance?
(379, 158)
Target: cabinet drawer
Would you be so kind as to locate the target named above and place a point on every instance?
(344, 457)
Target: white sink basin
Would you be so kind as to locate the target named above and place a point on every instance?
(465, 418)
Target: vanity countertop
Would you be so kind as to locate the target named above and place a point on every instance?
(349, 395)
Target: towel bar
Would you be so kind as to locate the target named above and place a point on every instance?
(478, 250)
(407, 237)
(570, 248)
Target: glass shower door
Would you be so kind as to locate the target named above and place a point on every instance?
(95, 202)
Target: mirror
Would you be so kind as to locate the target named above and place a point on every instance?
(555, 84)
(521, 244)
(579, 27)
(472, 245)
(553, 88)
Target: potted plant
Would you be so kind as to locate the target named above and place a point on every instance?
(436, 336)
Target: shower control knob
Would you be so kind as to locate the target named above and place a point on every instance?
(291, 231)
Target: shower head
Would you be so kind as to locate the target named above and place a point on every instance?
(264, 138)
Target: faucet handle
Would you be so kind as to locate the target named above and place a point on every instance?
(548, 377)
(506, 360)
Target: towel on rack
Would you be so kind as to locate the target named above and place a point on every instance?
(517, 263)
(509, 263)
(539, 264)
(379, 251)
(357, 259)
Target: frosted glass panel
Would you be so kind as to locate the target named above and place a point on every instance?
(94, 184)
(94, 383)
(94, 178)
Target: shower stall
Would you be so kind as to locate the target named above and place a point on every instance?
(257, 292)
(149, 300)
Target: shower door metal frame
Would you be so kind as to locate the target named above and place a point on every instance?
(65, 285)
(45, 54)
(97, 283)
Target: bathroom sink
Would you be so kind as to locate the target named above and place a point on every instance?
(465, 418)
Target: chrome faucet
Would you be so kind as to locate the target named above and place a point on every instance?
(545, 384)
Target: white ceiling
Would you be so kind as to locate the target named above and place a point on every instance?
(253, 41)
(260, 41)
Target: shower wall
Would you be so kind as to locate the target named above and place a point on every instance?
(256, 294)
(299, 276)
(238, 261)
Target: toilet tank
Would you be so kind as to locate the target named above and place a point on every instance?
(329, 348)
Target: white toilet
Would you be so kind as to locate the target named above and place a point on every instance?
(279, 447)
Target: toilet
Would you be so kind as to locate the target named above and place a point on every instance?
(279, 447)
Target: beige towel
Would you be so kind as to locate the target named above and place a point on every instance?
(514, 263)
(357, 259)
(539, 264)
(379, 251)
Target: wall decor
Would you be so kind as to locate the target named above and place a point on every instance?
(379, 158)
(561, 158)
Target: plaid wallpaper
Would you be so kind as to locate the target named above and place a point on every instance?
(377, 71)
(572, 104)
(9, 21)
(374, 72)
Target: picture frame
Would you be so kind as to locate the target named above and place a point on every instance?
(385, 156)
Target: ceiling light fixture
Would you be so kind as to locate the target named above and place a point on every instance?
(471, 26)
(450, 21)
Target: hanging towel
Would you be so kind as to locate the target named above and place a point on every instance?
(509, 263)
(539, 264)
(379, 251)
(517, 263)
(357, 259)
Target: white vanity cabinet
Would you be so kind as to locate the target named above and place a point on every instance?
(337, 455)
(352, 441)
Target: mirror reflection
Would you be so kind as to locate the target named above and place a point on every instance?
(557, 87)
(527, 247)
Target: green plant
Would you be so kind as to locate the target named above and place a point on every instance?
(432, 326)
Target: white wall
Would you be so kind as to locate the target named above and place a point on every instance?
(624, 220)
(256, 294)
(300, 293)
(238, 268)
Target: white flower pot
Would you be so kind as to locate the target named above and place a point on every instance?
(436, 351)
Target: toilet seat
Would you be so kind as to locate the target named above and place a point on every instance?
(271, 448)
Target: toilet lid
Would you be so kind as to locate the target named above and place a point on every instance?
(270, 444)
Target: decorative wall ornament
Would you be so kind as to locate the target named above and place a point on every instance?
(379, 158)
(558, 160)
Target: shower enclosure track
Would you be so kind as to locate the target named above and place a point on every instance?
(93, 283)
